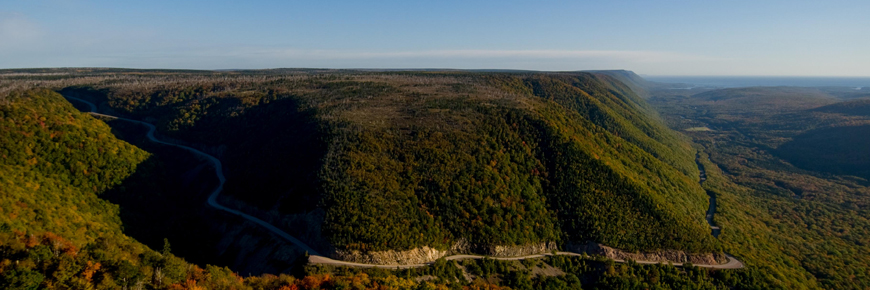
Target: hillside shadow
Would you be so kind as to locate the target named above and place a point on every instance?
(837, 150)
(857, 107)
(273, 152)
(165, 199)
(273, 156)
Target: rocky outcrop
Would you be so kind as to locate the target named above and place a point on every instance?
(516, 251)
(663, 256)
(426, 254)
(413, 256)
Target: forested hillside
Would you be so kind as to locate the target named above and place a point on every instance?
(58, 232)
(403, 160)
(55, 230)
(373, 161)
(857, 107)
(839, 150)
(56, 157)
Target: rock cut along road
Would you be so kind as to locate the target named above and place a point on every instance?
(733, 263)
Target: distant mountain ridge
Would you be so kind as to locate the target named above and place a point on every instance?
(638, 84)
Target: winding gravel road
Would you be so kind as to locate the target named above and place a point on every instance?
(316, 258)
(218, 170)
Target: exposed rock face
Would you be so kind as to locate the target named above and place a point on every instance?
(515, 251)
(427, 254)
(663, 256)
(412, 256)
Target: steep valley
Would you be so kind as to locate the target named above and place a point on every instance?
(398, 168)
(498, 152)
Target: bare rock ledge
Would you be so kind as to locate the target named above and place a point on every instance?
(424, 255)
(663, 256)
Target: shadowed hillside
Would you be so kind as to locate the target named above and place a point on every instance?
(858, 107)
(838, 150)
(57, 164)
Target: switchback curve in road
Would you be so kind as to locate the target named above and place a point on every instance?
(218, 168)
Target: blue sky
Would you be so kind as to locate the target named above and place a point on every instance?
(809, 38)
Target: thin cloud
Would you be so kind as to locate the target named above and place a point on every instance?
(633, 56)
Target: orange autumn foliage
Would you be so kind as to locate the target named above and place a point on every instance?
(89, 271)
(315, 281)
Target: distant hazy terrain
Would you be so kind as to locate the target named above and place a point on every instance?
(741, 81)
(799, 160)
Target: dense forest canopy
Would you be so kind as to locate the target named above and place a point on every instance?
(55, 229)
(56, 157)
(403, 160)
(374, 161)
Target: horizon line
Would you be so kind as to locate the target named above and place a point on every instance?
(434, 69)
